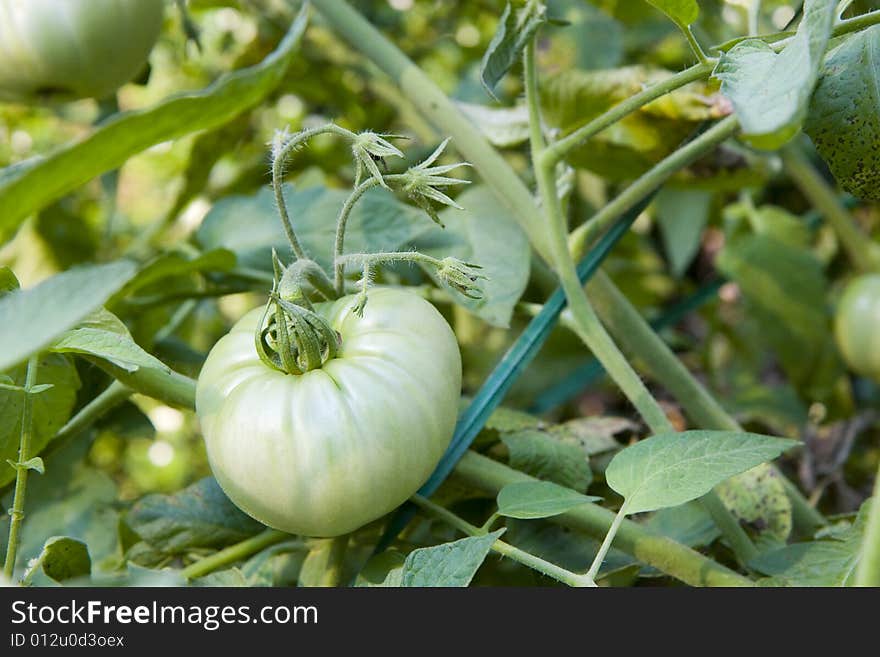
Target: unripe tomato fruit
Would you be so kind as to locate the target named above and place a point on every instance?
(857, 325)
(67, 49)
(325, 452)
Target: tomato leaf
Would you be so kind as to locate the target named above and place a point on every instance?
(785, 288)
(486, 234)
(770, 92)
(538, 499)
(30, 185)
(104, 335)
(844, 118)
(681, 215)
(198, 516)
(515, 29)
(824, 562)
(64, 558)
(758, 499)
(673, 468)
(681, 12)
(34, 317)
(548, 457)
(449, 564)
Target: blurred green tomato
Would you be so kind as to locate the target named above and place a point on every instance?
(857, 325)
(325, 452)
(67, 49)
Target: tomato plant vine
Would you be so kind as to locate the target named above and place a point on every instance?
(319, 373)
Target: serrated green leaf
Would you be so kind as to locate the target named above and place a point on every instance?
(33, 318)
(484, 233)
(545, 456)
(449, 564)
(770, 92)
(196, 517)
(673, 468)
(844, 114)
(515, 29)
(538, 499)
(32, 184)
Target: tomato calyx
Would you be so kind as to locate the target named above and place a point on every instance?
(294, 339)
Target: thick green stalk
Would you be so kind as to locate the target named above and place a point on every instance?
(233, 553)
(505, 549)
(857, 23)
(22, 471)
(169, 386)
(663, 553)
(862, 252)
(559, 149)
(586, 324)
(868, 570)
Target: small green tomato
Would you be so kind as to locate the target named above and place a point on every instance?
(68, 49)
(325, 452)
(857, 325)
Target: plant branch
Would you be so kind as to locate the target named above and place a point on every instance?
(341, 221)
(663, 553)
(21, 468)
(559, 149)
(585, 234)
(586, 324)
(279, 158)
(505, 549)
(234, 553)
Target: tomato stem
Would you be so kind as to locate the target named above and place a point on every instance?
(281, 151)
(234, 553)
(21, 469)
(341, 221)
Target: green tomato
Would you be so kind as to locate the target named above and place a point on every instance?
(67, 49)
(857, 325)
(325, 452)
